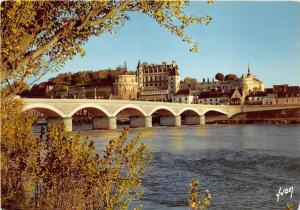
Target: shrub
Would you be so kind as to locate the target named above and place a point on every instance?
(57, 170)
(194, 202)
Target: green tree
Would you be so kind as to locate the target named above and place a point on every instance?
(230, 77)
(220, 77)
(39, 36)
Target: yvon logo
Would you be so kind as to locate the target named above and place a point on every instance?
(285, 191)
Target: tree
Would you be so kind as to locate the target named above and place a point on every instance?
(190, 80)
(59, 170)
(219, 77)
(230, 77)
(40, 36)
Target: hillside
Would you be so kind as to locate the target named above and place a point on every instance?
(82, 78)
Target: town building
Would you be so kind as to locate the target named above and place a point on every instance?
(183, 96)
(283, 95)
(278, 95)
(157, 82)
(247, 83)
(217, 97)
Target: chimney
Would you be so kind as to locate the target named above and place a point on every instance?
(173, 63)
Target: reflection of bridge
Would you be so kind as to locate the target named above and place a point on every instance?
(105, 112)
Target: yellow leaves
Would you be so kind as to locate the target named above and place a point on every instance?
(82, 52)
(159, 15)
(210, 1)
(207, 20)
(194, 202)
(61, 170)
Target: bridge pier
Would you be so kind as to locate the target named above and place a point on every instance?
(112, 123)
(104, 123)
(148, 121)
(178, 120)
(100, 122)
(67, 122)
(170, 120)
(202, 119)
(192, 120)
(145, 121)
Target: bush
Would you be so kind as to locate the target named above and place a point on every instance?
(195, 203)
(57, 170)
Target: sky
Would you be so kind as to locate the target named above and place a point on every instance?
(264, 34)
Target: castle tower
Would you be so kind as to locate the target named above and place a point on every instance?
(173, 80)
(140, 75)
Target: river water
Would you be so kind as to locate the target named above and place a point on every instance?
(243, 166)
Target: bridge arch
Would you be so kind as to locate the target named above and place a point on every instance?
(97, 110)
(162, 108)
(216, 115)
(215, 110)
(189, 109)
(47, 110)
(129, 106)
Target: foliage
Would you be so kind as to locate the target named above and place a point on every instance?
(220, 77)
(289, 206)
(39, 36)
(230, 77)
(85, 77)
(195, 204)
(190, 80)
(17, 154)
(57, 170)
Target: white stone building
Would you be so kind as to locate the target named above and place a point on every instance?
(157, 82)
(183, 96)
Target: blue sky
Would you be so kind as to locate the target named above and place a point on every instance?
(265, 34)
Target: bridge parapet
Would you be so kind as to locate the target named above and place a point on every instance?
(106, 111)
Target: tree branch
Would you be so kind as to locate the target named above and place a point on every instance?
(110, 14)
(46, 46)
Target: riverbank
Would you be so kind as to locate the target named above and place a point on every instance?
(258, 121)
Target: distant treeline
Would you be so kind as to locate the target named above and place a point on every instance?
(82, 78)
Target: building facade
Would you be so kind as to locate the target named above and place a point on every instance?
(126, 86)
(184, 96)
(247, 82)
(157, 82)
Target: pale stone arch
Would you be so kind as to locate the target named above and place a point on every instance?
(162, 107)
(129, 106)
(49, 110)
(189, 109)
(85, 106)
(215, 110)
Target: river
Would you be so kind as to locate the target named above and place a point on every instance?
(243, 166)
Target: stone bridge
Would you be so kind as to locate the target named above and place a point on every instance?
(140, 113)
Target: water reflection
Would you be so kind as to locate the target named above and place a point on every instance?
(176, 139)
(201, 131)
